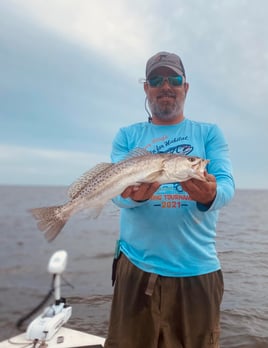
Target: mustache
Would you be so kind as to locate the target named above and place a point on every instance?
(166, 94)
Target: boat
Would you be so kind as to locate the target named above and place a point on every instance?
(47, 330)
(64, 338)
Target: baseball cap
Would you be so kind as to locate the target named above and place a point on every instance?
(165, 59)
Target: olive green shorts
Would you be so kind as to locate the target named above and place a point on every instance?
(150, 311)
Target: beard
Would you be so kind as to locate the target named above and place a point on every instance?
(166, 107)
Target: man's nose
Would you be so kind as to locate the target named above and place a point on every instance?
(165, 83)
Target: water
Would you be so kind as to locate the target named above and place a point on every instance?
(242, 244)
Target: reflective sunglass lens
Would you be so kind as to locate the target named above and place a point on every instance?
(158, 81)
(175, 80)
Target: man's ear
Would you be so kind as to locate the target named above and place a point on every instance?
(186, 88)
(145, 87)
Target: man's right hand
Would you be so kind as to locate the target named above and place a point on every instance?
(140, 192)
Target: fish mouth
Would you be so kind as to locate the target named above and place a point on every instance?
(197, 165)
(200, 165)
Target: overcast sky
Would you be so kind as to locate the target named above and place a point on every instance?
(69, 72)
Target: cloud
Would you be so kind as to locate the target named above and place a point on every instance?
(112, 29)
(55, 94)
(36, 166)
(218, 44)
(124, 30)
(69, 71)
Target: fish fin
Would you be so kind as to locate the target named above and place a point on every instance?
(139, 151)
(84, 179)
(95, 212)
(49, 220)
(152, 177)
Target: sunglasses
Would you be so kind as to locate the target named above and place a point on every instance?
(158, 81)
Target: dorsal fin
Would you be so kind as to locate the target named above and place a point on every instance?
(81, 182)
(139, 151)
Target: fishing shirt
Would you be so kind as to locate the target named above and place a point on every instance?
(170, 234)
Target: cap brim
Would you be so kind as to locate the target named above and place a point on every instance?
(176, 70)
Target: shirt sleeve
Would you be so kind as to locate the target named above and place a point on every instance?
(217, 151)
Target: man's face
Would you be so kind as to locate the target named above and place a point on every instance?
(166, 101)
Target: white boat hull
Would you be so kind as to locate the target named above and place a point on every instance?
(64, 338)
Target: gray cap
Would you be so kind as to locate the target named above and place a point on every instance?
(165, 59)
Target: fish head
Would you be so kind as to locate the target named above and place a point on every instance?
(181, 168)
(198, 166)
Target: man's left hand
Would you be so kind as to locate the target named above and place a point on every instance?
(203, 192)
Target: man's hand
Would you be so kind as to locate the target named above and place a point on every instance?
(141, 192)
(203, 192)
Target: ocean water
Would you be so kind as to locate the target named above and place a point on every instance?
(242, 244)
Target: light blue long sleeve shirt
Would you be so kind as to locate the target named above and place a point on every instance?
(170, 234)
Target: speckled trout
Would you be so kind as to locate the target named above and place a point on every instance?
(107, 180)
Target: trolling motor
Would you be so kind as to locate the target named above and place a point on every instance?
(46, 325)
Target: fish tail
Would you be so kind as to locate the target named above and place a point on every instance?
(51, 220)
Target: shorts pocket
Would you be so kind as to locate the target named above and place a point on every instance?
(214, 339)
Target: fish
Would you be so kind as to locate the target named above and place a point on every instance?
(105, 181)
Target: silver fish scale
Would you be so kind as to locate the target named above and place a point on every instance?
(110, 176)
(106, 180)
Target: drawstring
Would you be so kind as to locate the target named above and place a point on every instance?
(151, 284)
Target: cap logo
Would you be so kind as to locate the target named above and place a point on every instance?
(161, 57)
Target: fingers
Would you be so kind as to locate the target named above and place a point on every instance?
(201, 191)
(141, 192)
(127, 192)
(209, 177)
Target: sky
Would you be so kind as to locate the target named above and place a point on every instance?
(70, 70)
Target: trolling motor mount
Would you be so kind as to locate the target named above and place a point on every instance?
(46, 325)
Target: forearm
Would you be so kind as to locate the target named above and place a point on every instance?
(225, 190)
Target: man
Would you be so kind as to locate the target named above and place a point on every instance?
(169, 284)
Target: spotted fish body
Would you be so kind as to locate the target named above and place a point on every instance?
(107, 180)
